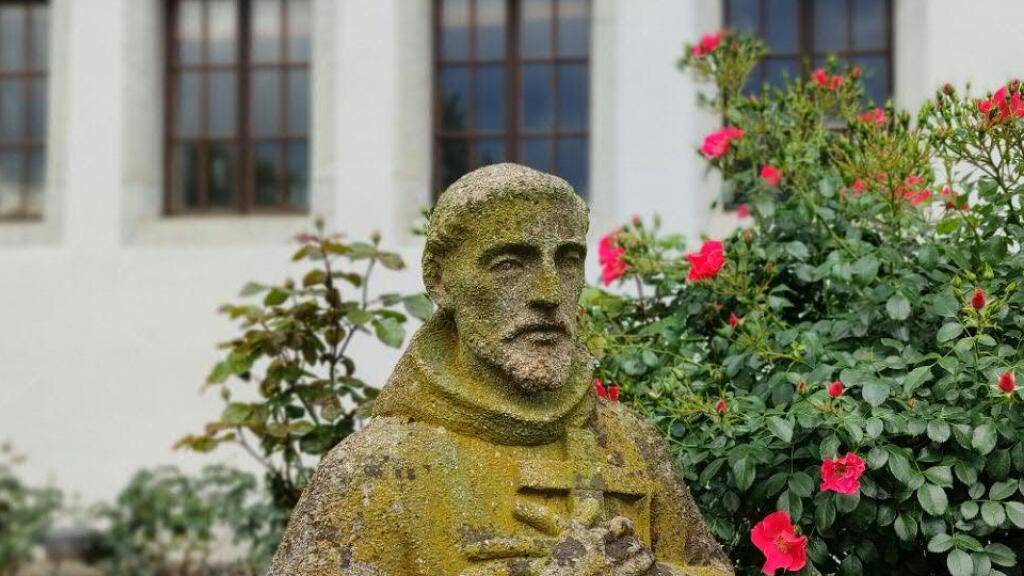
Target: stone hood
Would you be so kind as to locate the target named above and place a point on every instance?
(424, 388)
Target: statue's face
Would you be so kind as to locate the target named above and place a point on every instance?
(513, 285)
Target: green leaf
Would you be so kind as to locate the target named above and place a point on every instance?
(945, 305)
(251, 289)
(358, 316)
(906, 527)
(949, 331)
(959, 563)
(276, 297)
(1001, 554)
(801, 484)
(783, 429)
(932, 499)
(901, 469)
(969, 509)
(875, 392)
(1015, 512)
(798, 250)
(984, 438)
(993, 513)
(824, 515)
(938, 431)
(947, 226)
(940, 543)
(389, 331)
(898, 307)
(418, 306)
(940, 475)
(236, 413)
(744, 472)
(1003, 490)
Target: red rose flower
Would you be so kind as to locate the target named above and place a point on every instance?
(1008, 382)
(742, 211)
(836, 388)
(842, 474)
(721, 406)
(874, 116)
(611, 393)
(708, 43)
(717, 143)
(776, 538)
(707, 262)
(609, 256)
(734, 320)
(771, 176)
(822, 79)
(978, 300)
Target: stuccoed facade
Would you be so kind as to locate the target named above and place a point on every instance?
(107, 308)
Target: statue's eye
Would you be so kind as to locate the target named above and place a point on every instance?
(505, 265)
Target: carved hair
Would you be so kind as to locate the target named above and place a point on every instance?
(468, 196)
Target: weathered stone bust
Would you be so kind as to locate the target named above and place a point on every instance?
(489, 452)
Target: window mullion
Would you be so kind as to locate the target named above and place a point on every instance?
(246, 181)
(513, 76)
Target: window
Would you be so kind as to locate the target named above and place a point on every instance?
(238, 114)
(512, 84)
(859, 32)
(24, 41)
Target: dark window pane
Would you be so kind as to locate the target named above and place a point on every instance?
(189, 97)
(298, 102)
(454, 160)
(536, 153)
(454, 98)
(455, 29)
(490, 29)
(536, 34)
(36, 181)
(185, 176)
(876, 76)
(266, 30)
(488, 151)
(869, 24)
(12, 109)
(299, 31)
(12, 37)
(779, 71)
(37, 110)
(223, 25)
(40, 36)
(781, 27)
(10, 182)
(830, 26)
(266, 103)
(266, 164)
(298, 175)
(222, 174)
(743, 16)
(538, 97)
(223, 103)
(190, 31)
(573, 27)
(571, 163)
(490, 98)
(572, 96)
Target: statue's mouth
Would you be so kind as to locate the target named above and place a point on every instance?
(541, 331)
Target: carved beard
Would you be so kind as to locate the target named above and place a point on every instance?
(531, 366)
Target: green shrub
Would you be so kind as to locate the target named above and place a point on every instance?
(25, 514)
(293, 349)
(884, 261)
(166, 522)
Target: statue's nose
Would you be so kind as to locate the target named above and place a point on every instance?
(547, 286)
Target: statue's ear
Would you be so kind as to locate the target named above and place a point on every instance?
(434, 283)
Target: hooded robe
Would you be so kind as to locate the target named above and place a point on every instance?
(453, 478)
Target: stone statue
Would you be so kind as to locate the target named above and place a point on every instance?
(489, 453)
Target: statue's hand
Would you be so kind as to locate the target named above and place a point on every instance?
(610, 548)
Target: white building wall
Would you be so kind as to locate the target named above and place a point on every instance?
(107, 310)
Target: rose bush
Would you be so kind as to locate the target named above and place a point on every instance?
(837, 379)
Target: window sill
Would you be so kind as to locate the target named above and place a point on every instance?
(219, 230)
